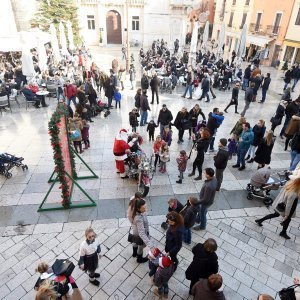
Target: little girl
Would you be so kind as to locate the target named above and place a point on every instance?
(89, 252)
(85, 134)
(182, 162)
(164, 155)
(156, 147)
(232, 146)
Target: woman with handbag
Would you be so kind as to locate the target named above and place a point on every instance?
(140, 228)
(277, 119)
(285, 205)
(264, 150)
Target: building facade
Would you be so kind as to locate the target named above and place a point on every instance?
(234, 14)
(145, 21)
(291, 43)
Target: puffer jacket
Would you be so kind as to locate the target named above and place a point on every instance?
(246, 139)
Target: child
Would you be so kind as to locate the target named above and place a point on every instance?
(85, 134)
(151, 128)
(89, 252)
(133, 121)
(156, 147)
(232, 146)
(162, 276)
(167, 135)
(118, 97)
(189, 216)
(75, 127)
(182, 162)
(153, 260)
(164, 155)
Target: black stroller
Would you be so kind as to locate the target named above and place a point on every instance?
(8, 161)
(262, 182)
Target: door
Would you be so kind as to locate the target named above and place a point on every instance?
(113, 27)
(257, 24)
(275, 56)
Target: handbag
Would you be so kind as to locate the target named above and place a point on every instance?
(134, 239)
(63, 267)
(288, 293)
(280, 207)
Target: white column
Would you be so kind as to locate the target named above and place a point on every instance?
(294, 55)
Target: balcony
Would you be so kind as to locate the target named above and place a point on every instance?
(268, 30)
(272, 30)
(256, 29)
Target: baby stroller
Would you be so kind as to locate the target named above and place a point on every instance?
(8, 161)
(100, 107)
(166, 85)
(261, 183)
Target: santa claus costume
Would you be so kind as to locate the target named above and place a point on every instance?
(120, 148)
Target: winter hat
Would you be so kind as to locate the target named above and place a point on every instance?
(223, 142)
(153, 254)
(165, 262)
(123, 130)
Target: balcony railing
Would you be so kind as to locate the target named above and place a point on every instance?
(268, 30)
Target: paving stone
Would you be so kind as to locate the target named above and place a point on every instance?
(126, 286)
(283, 268)
(18, 293)
(230, 282)
(115, 282)
(275, 254)
(262, 288)
(4, 291)
(247, 292)
(115, 265)
(233, 260)
(246, 248)
(256, 273)
(258, 245)
(270, 271)
(243, 277)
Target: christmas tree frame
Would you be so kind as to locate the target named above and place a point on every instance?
(65, 171)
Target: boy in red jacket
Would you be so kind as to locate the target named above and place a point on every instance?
(70, 93)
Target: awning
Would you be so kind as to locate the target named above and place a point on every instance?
(260, 41)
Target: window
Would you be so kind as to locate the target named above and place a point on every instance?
(247, 2)
(135, 23)
(258, 19)
(230, 19)
(298, 18)
(288, 53)
(243, 20)
(233, 2)
(277, 23)
(91, 22)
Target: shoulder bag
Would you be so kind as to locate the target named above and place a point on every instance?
(288, 293)
(134, 239)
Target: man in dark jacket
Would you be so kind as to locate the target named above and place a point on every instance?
(189, 82)
(144, 108)
(221, 160)
(248, 98)
(291, 110)
(257, 83)
(247, 75)
(264, 87)
(296, 76)
(207, 197)
(205, 88)
(145, 81)
(205, 262)
(234, 98)
(164, 118)
(154, 83)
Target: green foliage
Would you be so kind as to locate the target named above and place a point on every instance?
(285, 66)
(58, 10)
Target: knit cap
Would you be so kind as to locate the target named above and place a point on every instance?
(153, 254)
(165, 262)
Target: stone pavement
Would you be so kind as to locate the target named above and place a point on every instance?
(252, 259)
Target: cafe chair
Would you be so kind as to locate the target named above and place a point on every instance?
(14, 96)
(27, 102)
(4, 103)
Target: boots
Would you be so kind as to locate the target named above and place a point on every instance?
(283, 234)
(134, 251)
(140, 259)
(192, 174)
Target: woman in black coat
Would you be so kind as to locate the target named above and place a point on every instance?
(194, 113)
(205, 262)
(174, 236)
(259, 131)
(277, 119)
(264, 150)
(182, 122)
(201, 146)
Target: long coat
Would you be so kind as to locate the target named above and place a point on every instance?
(263, 153)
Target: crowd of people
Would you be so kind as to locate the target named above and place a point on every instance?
(79, 86)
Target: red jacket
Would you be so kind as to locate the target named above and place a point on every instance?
(70, 90)
(34, 88)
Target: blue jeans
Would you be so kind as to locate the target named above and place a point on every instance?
(188, 88)
(73, 99)
(201, 216)
(263, 94)
(164, 289)
(205, 94)
(295, 82)
(109, 102)
(295, 159)
(245, 83)
(187, 235)
(241, 153)
(161, 128)
(144, 116)
(59, 95)
(285, 86)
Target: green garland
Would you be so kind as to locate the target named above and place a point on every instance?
(54, 129)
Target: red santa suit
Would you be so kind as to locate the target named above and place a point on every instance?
(120, 147)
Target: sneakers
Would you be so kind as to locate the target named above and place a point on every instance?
(97, 275)
(191, 174)
(179, 181)
(198, 178)
(241, 168)
(236, 166)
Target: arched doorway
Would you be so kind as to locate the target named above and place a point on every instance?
(113, 27)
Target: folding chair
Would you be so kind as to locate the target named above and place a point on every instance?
(4, 102)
